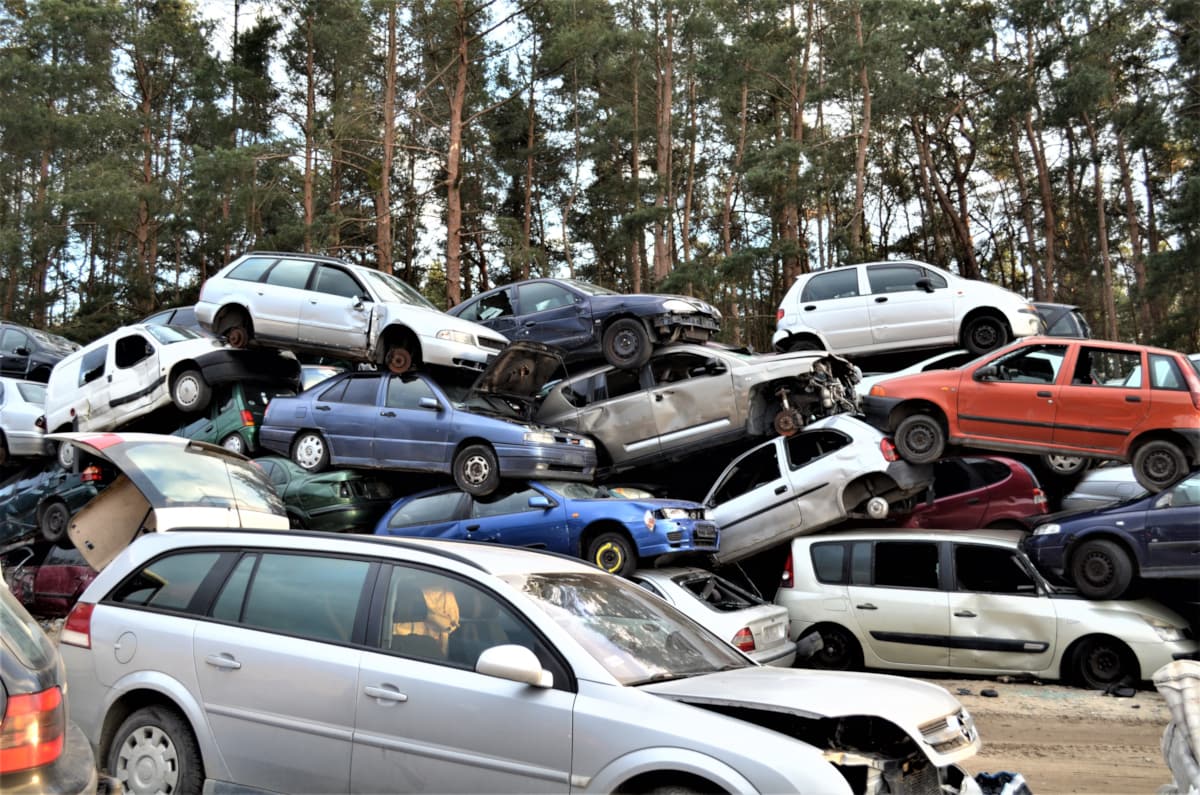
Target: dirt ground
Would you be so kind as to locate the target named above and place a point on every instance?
(1065, 739)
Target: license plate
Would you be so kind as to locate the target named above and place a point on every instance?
(774, 631)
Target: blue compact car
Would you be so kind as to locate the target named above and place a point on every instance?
(380, 420)
(576, 519)
(1102, 552)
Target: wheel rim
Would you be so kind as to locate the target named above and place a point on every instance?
(1160, 466)
(877, 508)
(1102, 664)
(187, 391)
(985, 334)
(238, 336)
(1064, 464)
(626, 343)
(66, 454)
(787, 422)
(310, 449)
(1097, 569)
(55, 519)
(399, 360)
(234, 442)
(835, 651)
(148, 762)
(920, 438)
(476, 469)
(610, 557)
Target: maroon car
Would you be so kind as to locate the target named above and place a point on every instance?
(47, 579)
(979, 491)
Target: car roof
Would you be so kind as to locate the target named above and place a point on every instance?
(1005, 537)
(1092, 343)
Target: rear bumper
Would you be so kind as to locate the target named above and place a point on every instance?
(782, 657)
(73, 773)
(223, 366)
(877, 411)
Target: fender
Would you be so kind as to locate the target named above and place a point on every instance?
(651, 760)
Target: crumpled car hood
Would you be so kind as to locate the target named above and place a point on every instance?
(519, 371)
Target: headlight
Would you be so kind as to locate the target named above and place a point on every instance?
(1047, 529)
(951, 732)
(588, 443)
(648, 520)
(1169, 633)
(673, 513)
(539, 437)
(675, 305)
(461, 337)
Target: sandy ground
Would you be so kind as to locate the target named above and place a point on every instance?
(1067, 740)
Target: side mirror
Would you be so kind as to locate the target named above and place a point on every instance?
(989, 373)
(539, 501)
(925, 284)
(22, 351)
(514, 663)
(358, 302)
(430, 403)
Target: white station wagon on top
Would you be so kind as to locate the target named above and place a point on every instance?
(327, 306)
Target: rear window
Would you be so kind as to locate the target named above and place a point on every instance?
(834, 284)
(169, 583)
(201, 478)
(717, 593)
(829, 563)
(32, 393)
(251, 270)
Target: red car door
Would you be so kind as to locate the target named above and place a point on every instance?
(1012, 398)
(1105, 398)
(960, 498)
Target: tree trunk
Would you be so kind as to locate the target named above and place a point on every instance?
(793, 258)
(454, 214)
(310, 113)
(1039, 289)
(1110, 303)
(665, 92)
(689, 189)
(635, 167)
(1145, 323)
(383, 196)
(530, 140)
(864, 136)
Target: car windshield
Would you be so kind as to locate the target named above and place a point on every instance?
(53, 340)
(589, 288)
(637, 637)
(32, 392)
(391, 289)
(581, 491)
(168, 335)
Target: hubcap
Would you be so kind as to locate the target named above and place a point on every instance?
(609, 557)
(148, 763)
(234, 442)
(1160, 466)
(55, 519)
(1104, 664)
(919, 439)
(984, 335)
(1064, 463)
(187, 391)
(309, 451)
(476, 470)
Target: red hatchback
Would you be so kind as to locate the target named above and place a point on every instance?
(1053, 395)
(979, 492)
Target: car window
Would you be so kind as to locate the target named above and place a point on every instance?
(251, 270)
(501, 502)
(906, 564)
(169, 583)
(894, 278)
(361, 391)
(21, 633)
(540, 296)
(829, 563)
(1165, 373)
(336, 281)
(310, 596)
(936, 280)
(673, 367)
(92, 365)
(990, 471)
(1036, 364)
(1107, 367)
(861, 553)
(490, 306)
(806, 447)
(1183, 494)
(751, 471)
(842, 283)
(424, 510)
(950, 477)
(406, 392)
(618, 382)
(717, 593)
(14, 340)
(649, 586)
(290, 273)
(201, 477)
(985, 569)
(32, 392)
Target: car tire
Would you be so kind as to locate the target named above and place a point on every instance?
(984, 333)
(398, 359)
(65, 455)
(802, 345)
(613, 553)
(1065, 465)
(310, 452)
(920, 439)
(3, 449)
(1101, 662)
(190, 392)
(626, 344)
(1158, 464)
(235, 329)
(154, 750)
(840, 650)
(476, 470)
(53, 520)
(1101, 569)
(235, 442)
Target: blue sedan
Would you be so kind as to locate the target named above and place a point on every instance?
(1101, 552)
(407, 422)
(576, 519)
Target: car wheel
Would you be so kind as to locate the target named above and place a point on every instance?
(66, 455)
(840, 650)
(310, 452)
(1158, 464)
(154, 750)
(877, 508)
(476, 470)
(235, 328)
(984, 334)
(626, 344)
(802, 345)
(613, 553)
(1101, 569)
(190, 392)
(53, 522)
(1102, 662)
(920, 439)
(398, 359)
(3, 450)
(788, 421)
(234, 442)
(1065, 465)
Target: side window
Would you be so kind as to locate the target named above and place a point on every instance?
(1165, 374)
(406, 392)
(1107, 367)
(674, 367)
(841, 283)
(829, 563)
(1033, 365)
(92, 365)
(991, 471)
(228, 604)
(808, 446)
(860, 563)
(130, 350)
(336, 281)
(501, 503)
(540, 296)
(434, 508)
(307, 595)
(906, 564)
(894, 278)
(290, 273)
(498, 304)
(950, 477)
(16, 340)
(618, 383)
(168, 583)
(649, 586)
(752, 471)
(251, 270)
(990, 570)
(361, 391)
(936, 280)
(334, 393)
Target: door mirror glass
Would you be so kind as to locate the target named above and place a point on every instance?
(430, 403)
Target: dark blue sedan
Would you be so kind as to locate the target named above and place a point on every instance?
(586, 320)
(1101, 552)
(576, 519)
(407, 422)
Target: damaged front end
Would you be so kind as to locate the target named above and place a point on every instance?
(826, 390)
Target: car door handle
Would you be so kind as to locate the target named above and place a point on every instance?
(965, 614)
(866, 606)
(471, 528)
(223, 661)
(780, 489)
(881, 300)
(385, 693)
(810, 307)
(1133, 399)
(529, 323)
(974, 501)
(387, 414)
(1044, 393)
(320, 408)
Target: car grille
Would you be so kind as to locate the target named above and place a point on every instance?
(489, 342)
(705, 531)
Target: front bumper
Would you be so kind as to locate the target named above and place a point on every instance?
(1049, 556)
(455, 354)
(695, 326)
(674, 536)
(556, 462)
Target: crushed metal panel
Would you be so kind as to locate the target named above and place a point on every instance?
(110, 521)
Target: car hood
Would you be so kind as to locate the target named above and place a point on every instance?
(166, 482)
(908, 703)
(442, 320)
(1108, 513)
(519, 371)
(651, 299)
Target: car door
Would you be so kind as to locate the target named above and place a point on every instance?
(15, 347)
(901, 311)
(276, 300)
(284, 622)
(692, 399)
(520, 516)
(436, 515)
(819, 465)
(998, 618)
(346, 414)
(1013, 396)
(91, 402)
(550, 313)
(1172, 543)
(615, 408)
(960, 498)
(134, 379)
(1105, 398)
(496, 310)
(834, 303)
(427, 722)
(412, 427)
(754, 502)
(334, 312)
(901, 610)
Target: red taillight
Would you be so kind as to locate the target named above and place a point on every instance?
(40, 422)
(1039, 497)
(32, 730)
(744, 639)
(779, 314)
(90, 474)
(789, 576)
(888, 449)
(77, 629)
(247, 418)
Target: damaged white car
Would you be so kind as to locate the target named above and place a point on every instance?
(449, 667)
(689, 397)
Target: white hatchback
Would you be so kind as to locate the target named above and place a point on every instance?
(21, 407)
(876, 307)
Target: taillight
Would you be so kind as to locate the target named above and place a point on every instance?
(888, 449)
(90, 474)
(40, 422)
(247, 418)
(77, 629)
(32, 730)
(744, 639)
(789, 576)
(1039, 497)
(779, 314)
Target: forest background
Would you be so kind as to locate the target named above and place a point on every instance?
(711, 147)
